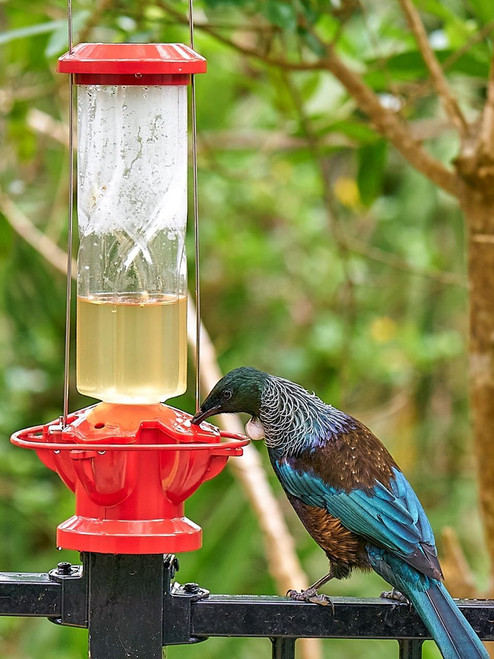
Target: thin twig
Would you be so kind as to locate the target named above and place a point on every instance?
(49, 250)
(394, 261)
(475, 38)
(94, 18)
(424, 87)
(447, 99)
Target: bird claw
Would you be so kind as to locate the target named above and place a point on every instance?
(311, 595)
(395, 595)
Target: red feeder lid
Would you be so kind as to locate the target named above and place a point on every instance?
(132, 63)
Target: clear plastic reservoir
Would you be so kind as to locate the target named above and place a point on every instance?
(132, 275)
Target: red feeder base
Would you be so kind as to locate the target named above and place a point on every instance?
(131, 468)
(143, 536)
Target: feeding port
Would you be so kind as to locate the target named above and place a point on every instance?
(131, 468)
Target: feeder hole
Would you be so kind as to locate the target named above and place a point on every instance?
(98, 426)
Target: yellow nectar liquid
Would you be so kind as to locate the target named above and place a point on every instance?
(132, 348)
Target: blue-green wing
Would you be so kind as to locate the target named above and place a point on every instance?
(392, 517)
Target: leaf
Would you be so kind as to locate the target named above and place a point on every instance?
(57, 43)
(450, 16)
(282, 14)
(220, 3)
(30, 30)
(409, 65)
(356, 130)
(372, 161)
(484, 9)
(312, 42)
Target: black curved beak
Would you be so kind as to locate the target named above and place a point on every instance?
(201, 416)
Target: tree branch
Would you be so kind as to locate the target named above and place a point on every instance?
(440, 83)
(32, 235)
(385, 122)
(390, 126)
(315, 65)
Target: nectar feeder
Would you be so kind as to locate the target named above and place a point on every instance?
(131, 460)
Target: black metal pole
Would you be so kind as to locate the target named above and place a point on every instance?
(283, 648)
(125, 605)
(410, 648)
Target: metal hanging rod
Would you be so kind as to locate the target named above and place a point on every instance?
(68, 297)
(197, 284)
(197, 293)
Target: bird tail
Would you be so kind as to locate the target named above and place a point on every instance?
(447, 625)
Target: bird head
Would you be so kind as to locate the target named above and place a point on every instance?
(239, 390)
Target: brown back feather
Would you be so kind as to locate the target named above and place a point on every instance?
(354, 459)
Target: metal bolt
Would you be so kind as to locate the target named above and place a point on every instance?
(64, 568)
(171, 562)
(191, 588)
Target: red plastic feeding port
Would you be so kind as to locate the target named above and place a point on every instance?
(131, 468)
(132, 63)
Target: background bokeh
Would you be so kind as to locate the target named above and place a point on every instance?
(325, 259)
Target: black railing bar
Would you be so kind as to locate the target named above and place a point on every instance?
(263, 616)
(29, 595)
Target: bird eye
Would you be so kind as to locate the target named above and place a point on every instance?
(227, 394)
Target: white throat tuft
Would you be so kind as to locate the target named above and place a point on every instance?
(254, 429)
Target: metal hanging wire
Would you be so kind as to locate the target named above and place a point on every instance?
(197, 289)
(68, 298)
(197, 292)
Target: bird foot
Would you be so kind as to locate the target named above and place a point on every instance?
(310, 595)
(394, 594)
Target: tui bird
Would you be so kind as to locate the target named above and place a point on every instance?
(350, 495)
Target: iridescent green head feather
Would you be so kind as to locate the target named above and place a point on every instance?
(239, 390)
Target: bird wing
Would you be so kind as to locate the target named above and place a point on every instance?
(390, 516)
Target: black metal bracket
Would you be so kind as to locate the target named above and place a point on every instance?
(132, 606)
(178, 601)
(73, 595)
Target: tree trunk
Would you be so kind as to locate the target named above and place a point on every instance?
(477, 201)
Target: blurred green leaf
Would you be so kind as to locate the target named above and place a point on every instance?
(372, 161)
(281, 14)
(57, 43)
(410, 66)
(31, 30)
(484, 9)
(312, 42)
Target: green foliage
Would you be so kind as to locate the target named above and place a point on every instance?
(351, 303)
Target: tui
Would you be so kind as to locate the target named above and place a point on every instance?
(350, 495)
